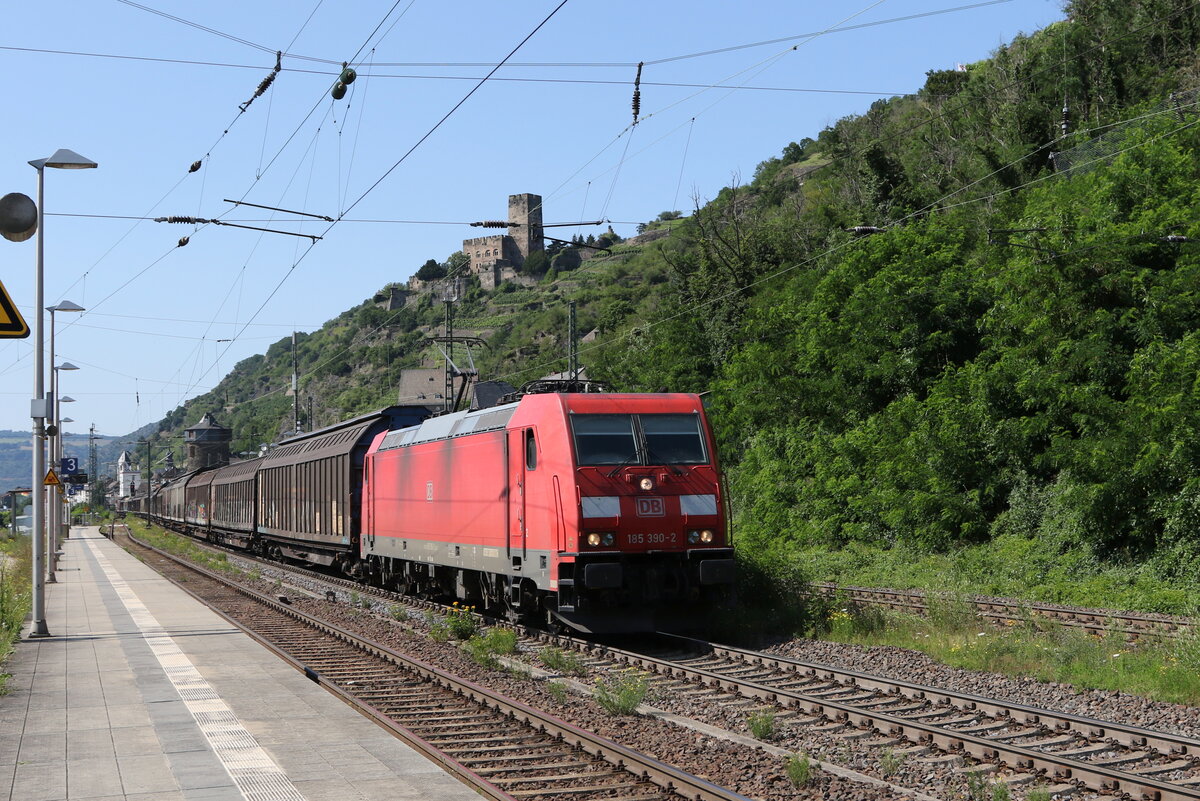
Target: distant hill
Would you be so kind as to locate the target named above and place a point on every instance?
(16, 459)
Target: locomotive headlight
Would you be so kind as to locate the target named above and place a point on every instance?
(593, 539)
(693, 537)
(646, 483)
(706, 535)
(608, 539)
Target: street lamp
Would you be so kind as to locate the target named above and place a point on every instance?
(54, 521)
(64, 521)
(38, 409)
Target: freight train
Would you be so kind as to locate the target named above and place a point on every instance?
(602, 511)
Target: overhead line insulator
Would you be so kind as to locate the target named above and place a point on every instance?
(266, 82)
(637, 93)
(495, 224)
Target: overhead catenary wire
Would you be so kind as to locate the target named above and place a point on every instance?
(578, 64)
(495, 79)
(402, 158)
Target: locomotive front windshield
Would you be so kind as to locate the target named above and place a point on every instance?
(642, 439)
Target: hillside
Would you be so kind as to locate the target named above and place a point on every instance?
(16, 461)
(942, 332)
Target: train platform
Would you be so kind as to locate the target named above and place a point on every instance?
(142, 693)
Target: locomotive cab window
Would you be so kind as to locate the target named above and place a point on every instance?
(641, 439)
(530, 450)
(673, 438)
(604, 439)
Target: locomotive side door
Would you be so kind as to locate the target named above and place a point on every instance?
(516, 497)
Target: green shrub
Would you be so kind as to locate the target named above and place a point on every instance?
(478, 648)
(557, 690)
(890, 762)
(462, 622)
(568, 663)
(501, 641)
(800, 770)
(398, 612)
(762, 724)
(621, 693)
(16, 596)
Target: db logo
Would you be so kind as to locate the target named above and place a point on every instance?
(651, 507)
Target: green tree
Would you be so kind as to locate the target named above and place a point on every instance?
(431, 270)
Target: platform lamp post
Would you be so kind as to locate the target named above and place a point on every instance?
(54, 503)
(64, 528)
(53, 518)
(39, 407)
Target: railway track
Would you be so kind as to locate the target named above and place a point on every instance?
(1074, 752)
(503, 748)
(1132, 625)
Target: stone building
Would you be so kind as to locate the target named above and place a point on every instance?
(496, 258)
(207, 443)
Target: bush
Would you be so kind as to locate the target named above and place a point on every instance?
(462, 622)
(800, 770)
(762, 724)
(557, 690)
(565, 662)
(621, 693)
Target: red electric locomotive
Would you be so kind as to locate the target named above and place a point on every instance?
(604, 511)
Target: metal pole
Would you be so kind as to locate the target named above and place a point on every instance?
(53, 506)
(58, 494)
(295, 390)
(38, 413)
(573, 352)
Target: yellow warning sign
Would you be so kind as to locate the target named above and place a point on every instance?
(52, 479)
(12, 324)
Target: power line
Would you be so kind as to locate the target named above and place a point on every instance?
(572, 64)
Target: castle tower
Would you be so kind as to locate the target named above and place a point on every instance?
(527, 210)
(207, 443)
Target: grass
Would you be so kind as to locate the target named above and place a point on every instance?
(800, 770)
(16, 595)
(485, 648)
(182, 547)
(762, 724)
(557, 690)
(890, 762)
(1011, 566)
(567, 663)
(1036, 647)
(621, 692)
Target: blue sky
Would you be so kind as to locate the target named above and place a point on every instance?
(145, 95)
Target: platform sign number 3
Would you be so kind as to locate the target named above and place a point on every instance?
(70, 465)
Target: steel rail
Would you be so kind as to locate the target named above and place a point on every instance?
(659, 773)
(1131, 624)
(1092, 776)
(1132, 736)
